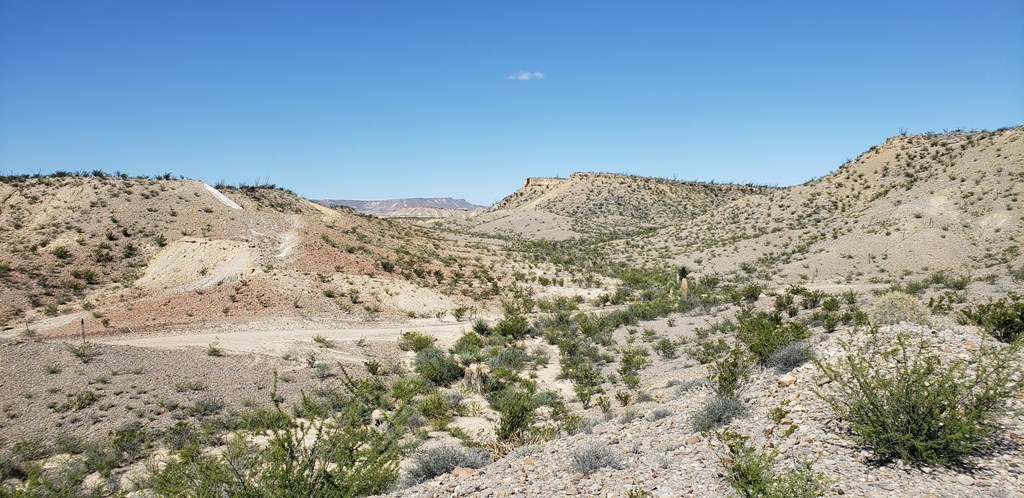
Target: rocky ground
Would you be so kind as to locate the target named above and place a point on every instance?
(659, 451)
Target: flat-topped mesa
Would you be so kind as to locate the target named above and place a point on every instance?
(543, 182)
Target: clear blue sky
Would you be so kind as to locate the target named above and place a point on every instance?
(382, 99)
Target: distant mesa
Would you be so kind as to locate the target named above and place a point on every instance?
(432, 207)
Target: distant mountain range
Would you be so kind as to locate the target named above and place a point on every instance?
(433, 207)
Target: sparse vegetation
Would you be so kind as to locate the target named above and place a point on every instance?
(902, 400)
(442, 460)
(590, 457)
(753, 474)
(1003, 318)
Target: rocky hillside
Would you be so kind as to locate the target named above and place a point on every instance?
(434, 207)
(601, 203)
(915, 204)
(126, 253)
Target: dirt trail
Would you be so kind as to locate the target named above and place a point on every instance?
(276, 342)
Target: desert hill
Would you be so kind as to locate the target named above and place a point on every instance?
(140, 254)
(433, 207)
(587, 204)
(912, 205)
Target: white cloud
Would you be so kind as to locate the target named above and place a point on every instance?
(525, 76)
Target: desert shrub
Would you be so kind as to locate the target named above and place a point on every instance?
(437, 366)
(406, 388)
(753, 474)
(442, 460)
(632, 360)
(415, 341)
(707, 350)
(790, 356)
(591, 457)
(321, 370)
(896, 307)
(516, 408)
(659, 413)
(469, 344)
(765, 333)
(214, 349)
(512, 326)
(666, 348)
(727, 375)
(85, 352)
(206, 406)
(129, 442)
(452, 397)
(508, 357)
(323, 342)
(342, 461)
(716, 412)
(1003, 319)
(179, 435)
(434, 407)
(339, 457)
(902, 400)
(480, 326)
(525, 451)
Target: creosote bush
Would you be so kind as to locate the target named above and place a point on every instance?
(1003, 319)
(437, 366)
(415, 341)
(903, 400)
(727, 375)
(339, 456)
(753, 474)
(765, 333)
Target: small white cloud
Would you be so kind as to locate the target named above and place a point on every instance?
(525, 76)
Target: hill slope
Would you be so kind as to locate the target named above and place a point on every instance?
(915, 204)
(601, 203)
(132, 254)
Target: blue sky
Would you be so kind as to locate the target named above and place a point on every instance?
(382, 99)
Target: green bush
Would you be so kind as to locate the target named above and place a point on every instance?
(765, 333)
(340, 457)
(415, 341)
(666, 348)
(753, 475)
(469, 344)
(902, 400)
(434, 407)
(633, 359)
(437, 366)
(407, 388)
(1003, 319)
(516, 409)
(515, 326)
(727, 375)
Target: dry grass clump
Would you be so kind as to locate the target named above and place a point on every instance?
(896, 307)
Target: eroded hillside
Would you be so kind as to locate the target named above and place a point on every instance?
(139, 254)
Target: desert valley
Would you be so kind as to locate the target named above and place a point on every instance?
(603, 334)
